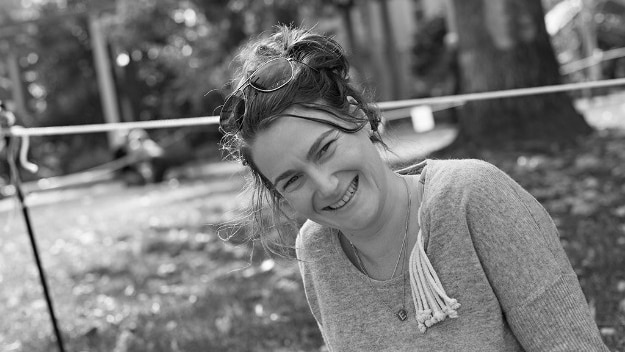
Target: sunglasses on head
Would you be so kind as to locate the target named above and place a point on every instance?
(269, 77)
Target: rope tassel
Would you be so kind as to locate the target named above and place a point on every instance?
(431, 302)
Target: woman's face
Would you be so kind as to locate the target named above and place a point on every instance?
(334, 178)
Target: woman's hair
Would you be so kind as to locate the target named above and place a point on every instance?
(321, 81)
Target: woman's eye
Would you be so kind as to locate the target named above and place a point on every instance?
(290, 181)
(325, 148)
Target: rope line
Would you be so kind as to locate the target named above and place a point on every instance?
(597, 58)
(118, 126)
(385, 106)
(508, 93)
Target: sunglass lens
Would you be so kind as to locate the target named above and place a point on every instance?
(272, 76)
(232, 112)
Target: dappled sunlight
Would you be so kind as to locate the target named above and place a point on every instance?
(145, 264)
(132, 264)
(157, 254)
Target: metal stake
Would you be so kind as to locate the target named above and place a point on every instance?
(12, 156)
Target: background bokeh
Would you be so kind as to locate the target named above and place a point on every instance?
(139, 263)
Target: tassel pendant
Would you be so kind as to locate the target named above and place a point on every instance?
(432, 305)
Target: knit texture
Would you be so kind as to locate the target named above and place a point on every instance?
(494, 248)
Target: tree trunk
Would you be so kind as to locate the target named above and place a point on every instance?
(390, 49)
(503, 44)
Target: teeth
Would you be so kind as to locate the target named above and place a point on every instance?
(346, 197)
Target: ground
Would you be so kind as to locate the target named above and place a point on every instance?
(144, 268)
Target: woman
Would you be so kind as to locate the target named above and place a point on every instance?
(441, 256)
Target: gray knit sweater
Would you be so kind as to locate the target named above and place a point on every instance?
(495, 249)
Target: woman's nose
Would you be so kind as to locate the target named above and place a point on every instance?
(326, 183)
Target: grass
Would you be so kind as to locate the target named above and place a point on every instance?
(142, 269)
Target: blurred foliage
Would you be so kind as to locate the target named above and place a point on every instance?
(166, 55)
(435, 62)
(609, 25)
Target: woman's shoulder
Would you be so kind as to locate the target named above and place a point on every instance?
(461, 173)
(450, 167)
(453, 186)
(310, 228)
(456, 181)
(312, 237)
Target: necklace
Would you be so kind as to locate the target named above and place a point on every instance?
(401, 314)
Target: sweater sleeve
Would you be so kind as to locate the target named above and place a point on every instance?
(518, 246)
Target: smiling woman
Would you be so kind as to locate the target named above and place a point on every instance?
(442, 256)
(326, 172)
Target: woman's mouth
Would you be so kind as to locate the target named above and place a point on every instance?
(349, 194)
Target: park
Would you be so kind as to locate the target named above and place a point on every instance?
(161, 262)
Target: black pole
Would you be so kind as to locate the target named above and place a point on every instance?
(12, 156)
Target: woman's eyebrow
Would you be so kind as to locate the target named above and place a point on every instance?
(317, 144)
(311, 152)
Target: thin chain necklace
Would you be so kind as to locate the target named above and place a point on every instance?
(401, 314)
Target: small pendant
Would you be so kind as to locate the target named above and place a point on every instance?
(401, 314)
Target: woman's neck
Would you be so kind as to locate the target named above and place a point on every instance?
(379, 246)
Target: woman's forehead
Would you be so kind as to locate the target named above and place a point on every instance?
(319, 113)
(292, 130)
(289, 139)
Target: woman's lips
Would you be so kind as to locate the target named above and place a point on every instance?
(347, 196)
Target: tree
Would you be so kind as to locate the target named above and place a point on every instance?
(503, 44)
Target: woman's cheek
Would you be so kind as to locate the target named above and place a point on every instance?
(300, 201)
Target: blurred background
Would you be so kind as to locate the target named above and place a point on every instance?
(128, 222)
